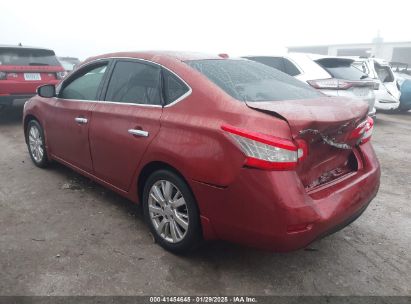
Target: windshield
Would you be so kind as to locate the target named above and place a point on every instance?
(24, 57)
(342, 69)
(252, 81)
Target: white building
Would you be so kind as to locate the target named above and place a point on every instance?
(390, 51)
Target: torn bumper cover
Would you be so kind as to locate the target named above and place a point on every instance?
(281, 215)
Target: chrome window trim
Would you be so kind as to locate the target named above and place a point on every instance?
(185, 95)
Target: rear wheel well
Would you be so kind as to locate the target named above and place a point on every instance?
(149, 169)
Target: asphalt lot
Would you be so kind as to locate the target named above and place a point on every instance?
(61, 234)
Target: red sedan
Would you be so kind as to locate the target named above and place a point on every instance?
(213, 148)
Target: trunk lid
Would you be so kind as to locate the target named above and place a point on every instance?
(322, 114)
(325, 124)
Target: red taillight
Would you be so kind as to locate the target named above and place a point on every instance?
(369, 126)
(265, 151)
(302, 149)
(330, 84)
(363, 131)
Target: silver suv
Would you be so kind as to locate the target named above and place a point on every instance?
(334, 76)
(388, 94)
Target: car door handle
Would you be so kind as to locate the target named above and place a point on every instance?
(81, 120)
(138, 132)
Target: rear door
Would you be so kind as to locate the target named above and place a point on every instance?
(127, 121)
(69, 119)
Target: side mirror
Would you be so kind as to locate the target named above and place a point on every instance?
(47, 91)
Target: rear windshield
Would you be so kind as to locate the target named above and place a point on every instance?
(34, 57)
(252, 81)
(342, 69)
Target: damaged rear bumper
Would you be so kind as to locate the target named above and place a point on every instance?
(272, 210)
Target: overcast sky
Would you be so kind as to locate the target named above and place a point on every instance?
(85, 28)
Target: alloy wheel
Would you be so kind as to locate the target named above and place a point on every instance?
(36, 144)
(168, 211)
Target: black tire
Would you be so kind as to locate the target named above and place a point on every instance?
(193, 234)
(43, 161)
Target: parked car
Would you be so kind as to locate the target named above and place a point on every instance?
(334, 76)
(23, 69)
(212, 148)
(404, 82)
(69, 63)
(387, 97)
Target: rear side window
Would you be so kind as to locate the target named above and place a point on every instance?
(174, 88)
(274, 62)
(362, 66)
(290, 68)
(279, 63)
(252, 81)
(135, 82)
(85, 85)
(25, 57)
(341, 69)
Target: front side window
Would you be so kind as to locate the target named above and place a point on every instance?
(85, 85)
(252, 81)
(135, 82)
(174, 88)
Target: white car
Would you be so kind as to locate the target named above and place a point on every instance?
(334, 76)
(387, 97)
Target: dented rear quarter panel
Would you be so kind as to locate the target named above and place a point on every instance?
(191, 138)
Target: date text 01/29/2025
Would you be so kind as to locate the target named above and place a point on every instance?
(203, 299)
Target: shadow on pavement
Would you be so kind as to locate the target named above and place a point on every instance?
(394, 113)
(208, 251)
(78, 182)
(11, 116)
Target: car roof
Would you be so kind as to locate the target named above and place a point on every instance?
(299, 55)
(158, 55)
(380, 61)
(318, 56)
(23, 47)
(308, 67)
